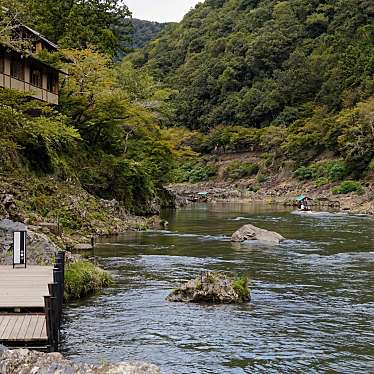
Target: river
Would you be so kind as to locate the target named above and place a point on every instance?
(312, 308)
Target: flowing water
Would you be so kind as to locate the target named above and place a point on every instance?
(312, 308)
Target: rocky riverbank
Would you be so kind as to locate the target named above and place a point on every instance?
(275, 190)
(24, 361)
(65, 212)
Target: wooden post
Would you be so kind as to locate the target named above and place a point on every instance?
(57, 278)
(55, 318)
(48, 320)
(61, 257)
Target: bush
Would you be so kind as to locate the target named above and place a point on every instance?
(83, 278)
(304, 173)
(333, 170)
(347, 187)
(337, 171)
(239, 169)
(202, 173)
(195, 172)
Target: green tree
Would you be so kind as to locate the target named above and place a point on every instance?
(104, 24)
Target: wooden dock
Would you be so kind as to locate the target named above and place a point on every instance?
(24, 288)
(31, 305)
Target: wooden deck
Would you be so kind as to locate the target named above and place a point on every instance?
(31, 302)
(23, 328)
(24, 288)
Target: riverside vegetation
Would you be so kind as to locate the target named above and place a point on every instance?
(290, 83)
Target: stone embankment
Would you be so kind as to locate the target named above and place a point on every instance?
(24, 361)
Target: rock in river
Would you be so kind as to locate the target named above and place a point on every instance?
(250, 232)
(212, 287)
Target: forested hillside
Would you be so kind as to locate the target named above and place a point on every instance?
(145, 31)
(301, 72)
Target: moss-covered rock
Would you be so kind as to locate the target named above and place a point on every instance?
(213, 287)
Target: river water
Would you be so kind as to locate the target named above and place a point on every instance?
(312, 308)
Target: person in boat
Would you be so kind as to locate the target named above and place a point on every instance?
(303, 204)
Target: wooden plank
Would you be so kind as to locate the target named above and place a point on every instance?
(9, 328)
(31, 329)
(24, 326)
(3, 326)
(39, 328)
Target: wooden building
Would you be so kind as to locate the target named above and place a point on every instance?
(23, 71)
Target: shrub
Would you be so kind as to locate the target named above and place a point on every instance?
(347, 187)
(304, 173)
(83, 278)
(202, 173)
(194, 172)
(239, 169)
(337, 171)
(333, 170)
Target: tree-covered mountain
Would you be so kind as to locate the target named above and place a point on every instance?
(303, 69)
(145, 31)
(253, 62)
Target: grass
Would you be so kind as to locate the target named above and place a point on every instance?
(83, 278)
(241, 287)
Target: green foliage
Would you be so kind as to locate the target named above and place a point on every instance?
(292, 78)
(332, 170)
(106, 133)
(241, 287)
(347, 187)
(254, 63)
(194, 171)
(145, 31)
(240, 169)
(36, 141)
(104, 25)
(83, 278)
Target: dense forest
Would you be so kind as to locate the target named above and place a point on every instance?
(145, 31)
(290, 78)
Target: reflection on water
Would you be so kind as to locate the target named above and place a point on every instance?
(312, 308)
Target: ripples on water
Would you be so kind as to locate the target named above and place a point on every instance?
(312, 308)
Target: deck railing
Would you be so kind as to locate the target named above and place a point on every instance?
(54, 303)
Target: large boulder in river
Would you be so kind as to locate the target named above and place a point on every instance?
(213, 287)
(250, 232)
(24, 361)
